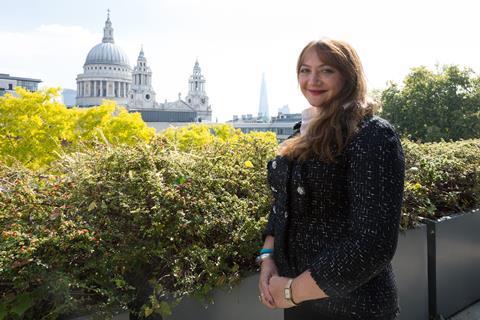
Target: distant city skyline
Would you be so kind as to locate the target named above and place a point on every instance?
(236, 42)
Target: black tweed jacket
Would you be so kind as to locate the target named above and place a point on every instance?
(340, 221)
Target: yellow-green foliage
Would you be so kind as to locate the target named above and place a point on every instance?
(114, 219)
(35, 129)
(197, 137)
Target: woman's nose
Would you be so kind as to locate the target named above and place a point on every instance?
(315, 78)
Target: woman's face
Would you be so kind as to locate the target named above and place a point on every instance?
(319, 82)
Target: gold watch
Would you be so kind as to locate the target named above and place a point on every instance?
(287, 291)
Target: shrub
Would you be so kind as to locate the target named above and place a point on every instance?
(139, 227)
(441, 178)
(115, 220)
(36, 130)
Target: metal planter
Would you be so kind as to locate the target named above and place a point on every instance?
(453, 263)
(410, 268)
(409, 264)
(238, 304)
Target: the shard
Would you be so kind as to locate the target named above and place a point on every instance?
(263, 106)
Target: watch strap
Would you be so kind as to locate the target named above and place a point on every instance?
(288, 293)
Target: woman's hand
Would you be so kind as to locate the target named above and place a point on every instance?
(276, 288)
(268, 269)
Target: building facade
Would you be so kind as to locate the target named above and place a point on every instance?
(107, 75)
(8, 83)
(68, 97)
(282, 124)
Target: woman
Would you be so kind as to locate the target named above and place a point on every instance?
(338, 189)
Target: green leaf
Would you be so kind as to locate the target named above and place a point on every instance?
(181, 180)
(148, 311)
(92, 206)
(21, 304)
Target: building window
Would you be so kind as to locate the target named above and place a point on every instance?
(10, 86)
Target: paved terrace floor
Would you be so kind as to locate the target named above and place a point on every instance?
(470, 313)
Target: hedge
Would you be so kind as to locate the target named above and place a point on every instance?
(139, 227)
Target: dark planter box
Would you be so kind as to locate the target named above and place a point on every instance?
(409, 264)
(410, 268)
(454, 263)
(238, 304)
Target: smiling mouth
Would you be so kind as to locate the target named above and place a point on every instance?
(317, 92)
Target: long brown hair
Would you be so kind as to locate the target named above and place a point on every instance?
(338, 120)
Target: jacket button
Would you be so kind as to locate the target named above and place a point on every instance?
(274, 210)
(301, 191)
(274, 164)
(286, 214)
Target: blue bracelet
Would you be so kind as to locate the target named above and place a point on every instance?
(266, 251)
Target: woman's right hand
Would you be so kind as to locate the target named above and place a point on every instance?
(268, 269)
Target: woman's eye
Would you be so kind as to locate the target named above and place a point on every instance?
(328, 70)
(304, 70)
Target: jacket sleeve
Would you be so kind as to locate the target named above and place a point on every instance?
(270, 228)
(375, 177)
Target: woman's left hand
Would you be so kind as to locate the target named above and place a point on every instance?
(276, 287)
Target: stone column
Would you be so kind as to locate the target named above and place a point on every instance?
(94, 88)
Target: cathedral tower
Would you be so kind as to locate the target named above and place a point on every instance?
(197, 98)
(141, 94)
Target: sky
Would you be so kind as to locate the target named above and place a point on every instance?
(236, 42)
